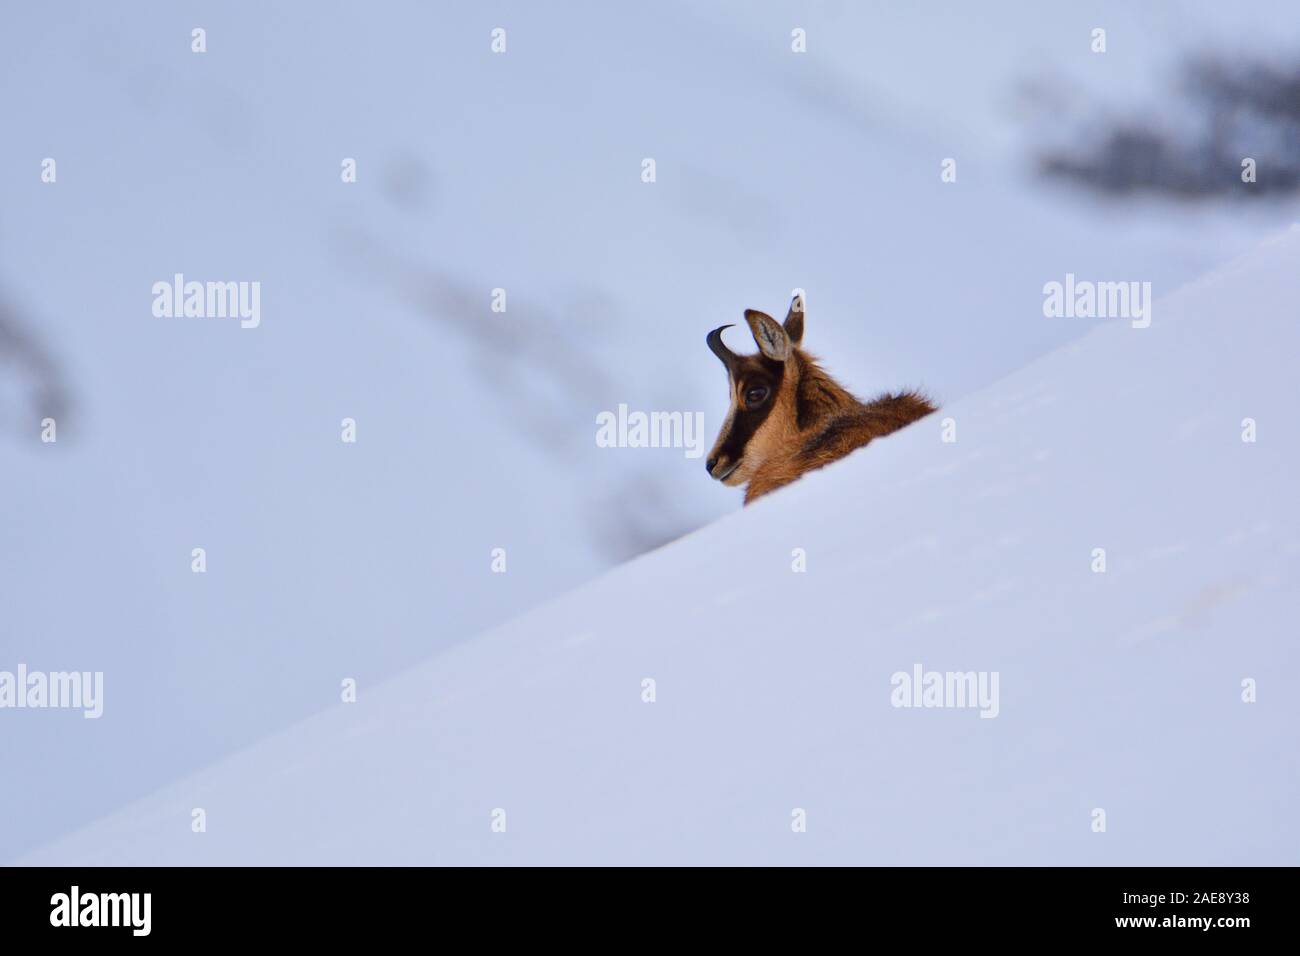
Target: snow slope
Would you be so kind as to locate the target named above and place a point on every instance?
(1118, 690)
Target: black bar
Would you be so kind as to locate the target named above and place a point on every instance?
(335, 905)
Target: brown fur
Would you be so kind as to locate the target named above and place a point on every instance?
(812, 420)
(836, 424)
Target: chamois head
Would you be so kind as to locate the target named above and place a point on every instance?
(762, 416)
(788, 416)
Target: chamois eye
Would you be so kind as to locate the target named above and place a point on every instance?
(756, 395)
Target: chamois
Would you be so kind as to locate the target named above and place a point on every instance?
(787, 415)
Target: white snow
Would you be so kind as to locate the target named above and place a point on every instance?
(1119, 691)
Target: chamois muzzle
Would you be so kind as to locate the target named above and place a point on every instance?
(721, 473)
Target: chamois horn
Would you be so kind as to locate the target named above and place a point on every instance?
(718, 348)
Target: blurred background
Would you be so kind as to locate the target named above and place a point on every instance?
(521, 170)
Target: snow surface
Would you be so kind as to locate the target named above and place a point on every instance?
(1119, 690)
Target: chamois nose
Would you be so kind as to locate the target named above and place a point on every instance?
(711, 464)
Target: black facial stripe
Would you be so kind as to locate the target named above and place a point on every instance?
(747, 421)
(743, 427)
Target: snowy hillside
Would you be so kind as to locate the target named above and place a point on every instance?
(1119, 691)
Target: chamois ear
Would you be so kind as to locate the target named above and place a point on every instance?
(771, 338)
(794, 320)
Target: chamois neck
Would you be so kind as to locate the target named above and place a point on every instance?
(819, 396)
